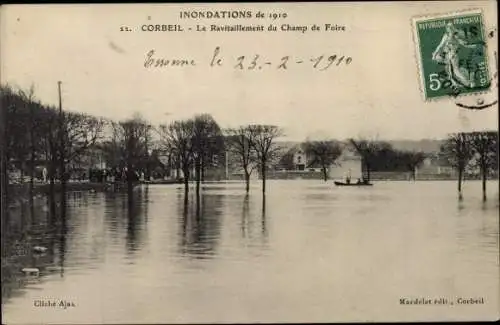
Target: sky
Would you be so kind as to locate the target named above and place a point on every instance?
(377, 95)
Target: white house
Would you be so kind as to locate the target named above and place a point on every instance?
(348, 165)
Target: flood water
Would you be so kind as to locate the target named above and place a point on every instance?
(309, 252)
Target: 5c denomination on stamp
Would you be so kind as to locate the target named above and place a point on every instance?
(452, 55)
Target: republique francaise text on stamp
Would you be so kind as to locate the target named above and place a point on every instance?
(452, 55)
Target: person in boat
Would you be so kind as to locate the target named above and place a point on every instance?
(348, 180)
(359, 181)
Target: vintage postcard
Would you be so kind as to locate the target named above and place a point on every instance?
(249, 162)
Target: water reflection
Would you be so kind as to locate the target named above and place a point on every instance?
(263, 217)
(114, 209)
(201, 225)
(137, 215)
(298, 240)
(35, 249)
(245, 216)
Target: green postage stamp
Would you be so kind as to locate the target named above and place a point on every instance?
(452, 54)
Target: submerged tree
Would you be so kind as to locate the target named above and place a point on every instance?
(177, 139)
(240, 143)
(30, 134)
(207, 144)
(457, 151)
(32, 125)
(264, 143)
(131, 137)
(485, 145)
(323, 153)
(80, 134)
(411, 160)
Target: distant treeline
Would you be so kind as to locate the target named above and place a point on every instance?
(33, 132)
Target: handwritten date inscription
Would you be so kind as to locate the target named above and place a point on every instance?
(251, 62)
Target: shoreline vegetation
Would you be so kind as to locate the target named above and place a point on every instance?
(71, 151)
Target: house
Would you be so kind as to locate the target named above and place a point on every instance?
(434, 164)
(348, 164)
(92, 158)
(299, 159)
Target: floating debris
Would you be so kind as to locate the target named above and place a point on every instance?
(31, 271)
(40, 249)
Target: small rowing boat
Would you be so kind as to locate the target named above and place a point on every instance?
(352, 184)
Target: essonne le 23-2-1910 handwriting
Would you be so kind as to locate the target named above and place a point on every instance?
(255, 61)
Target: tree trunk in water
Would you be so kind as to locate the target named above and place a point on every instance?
(52, 190)
(32, 180)
(186, 180)
(52, 199)
(263, 172)
(483, 172)
(198, 208)
(197, 171)
(325, 176)
(247, 181)
(32, 155)
(63, 189)
(202, 170)
(130, 183)
(32, 172)
(460, 183)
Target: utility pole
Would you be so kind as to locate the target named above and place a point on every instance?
(62, 152)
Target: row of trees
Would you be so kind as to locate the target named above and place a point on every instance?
(198, 142)
(37, 134)
(376, 156)
(477, 150)
(33, 132)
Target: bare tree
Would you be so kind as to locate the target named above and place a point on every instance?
(485, 145)
(207, 142)
(81, 133)
(323, 153)
(177, 139)
(240, 143)
(264, 143)
(411, 159)
(32, 126)
(457, 151)
(17, 120)
(4, 182)
(131, 136)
